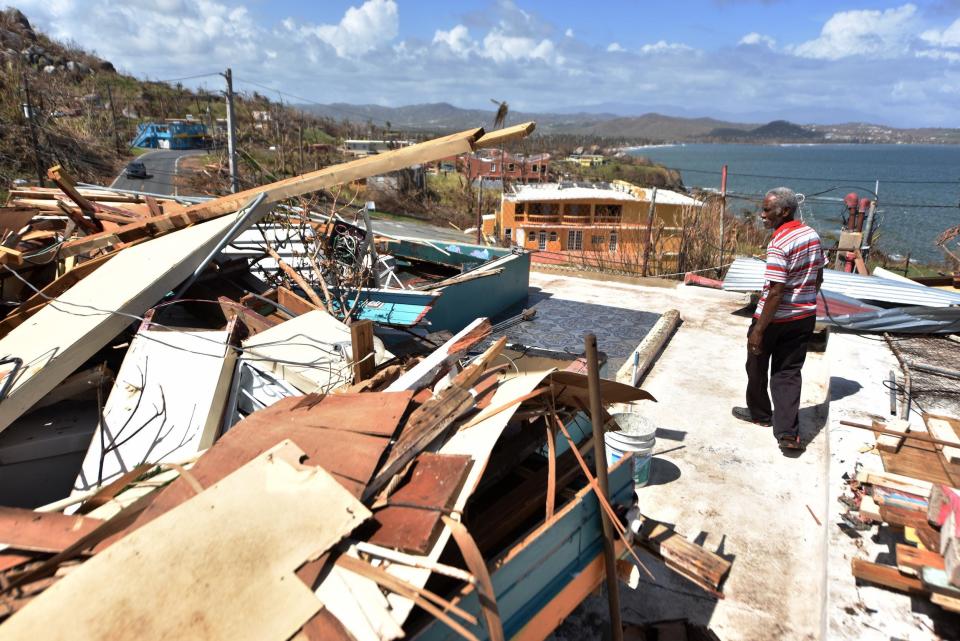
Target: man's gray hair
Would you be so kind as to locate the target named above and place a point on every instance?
(784, 198)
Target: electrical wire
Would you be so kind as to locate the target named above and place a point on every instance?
(249, 354)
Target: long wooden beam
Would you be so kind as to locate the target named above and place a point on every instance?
(452, 145)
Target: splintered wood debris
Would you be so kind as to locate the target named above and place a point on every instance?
(263, 465)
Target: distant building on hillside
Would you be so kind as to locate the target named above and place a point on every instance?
(588, 160)
(172, 134)
(490, 164)
(602, 218)
(362, 148)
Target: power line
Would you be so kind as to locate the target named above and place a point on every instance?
(816, 179)
(359, 114)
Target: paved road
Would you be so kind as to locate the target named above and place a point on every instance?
(161, 169)
(421, 230)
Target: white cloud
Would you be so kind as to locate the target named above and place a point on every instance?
(868, 32)
(361, 29)
(754, 38)
(615, 46)
(456, 39)
(939, 54)
(501, 47)
(665, 47)
(949, 37)
(568, 33)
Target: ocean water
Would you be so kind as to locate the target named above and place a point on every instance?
(919, 185)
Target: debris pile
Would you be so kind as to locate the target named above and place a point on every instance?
(915, 504)
(248, 458)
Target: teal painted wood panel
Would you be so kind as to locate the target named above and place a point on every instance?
(530, 580)
(400, 308)
(460, 304)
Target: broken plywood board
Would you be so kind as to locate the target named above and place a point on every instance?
(890, 442)
(349, 456)
(477, 443)
(311, 352)
(166, 404)
(58, 339)
(22, 529)
(410, 521)
(944, 429)
(232, 550)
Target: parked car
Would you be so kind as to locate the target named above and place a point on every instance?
(136, 169)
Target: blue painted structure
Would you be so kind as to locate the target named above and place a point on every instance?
(462, 303)
(395, 307)
(532, 576)
(171, 135)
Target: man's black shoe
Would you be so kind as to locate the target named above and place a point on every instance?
(790, 443)
(743, 414)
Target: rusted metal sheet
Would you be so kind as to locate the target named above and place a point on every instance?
(42, 531)
(411, 520)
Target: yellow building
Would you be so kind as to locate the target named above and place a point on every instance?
(611, 219)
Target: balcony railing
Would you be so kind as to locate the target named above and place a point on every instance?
(600, 218)
(576, 219)
(543, 218)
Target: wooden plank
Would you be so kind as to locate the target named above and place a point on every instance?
(166, 404)
(410, 521)
(935, 580)
(364, 357)
(425, 424)
(889, 442)
(896, 482)
(478, 443)
(273, 510)
(444, 147)
(911, 559)
(947, 603)
(296, 304)
(681, 555)
(886, 576)
(944, 430)
(444, 356)
(57, 340)
(42, 531)
(921, 461)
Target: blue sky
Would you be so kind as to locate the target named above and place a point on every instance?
(890, 62)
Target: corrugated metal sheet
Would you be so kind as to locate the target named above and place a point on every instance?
(900, 320)
(746, 275)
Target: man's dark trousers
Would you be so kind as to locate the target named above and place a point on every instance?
(784, 351)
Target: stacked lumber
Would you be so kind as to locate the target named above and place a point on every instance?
(926, 517)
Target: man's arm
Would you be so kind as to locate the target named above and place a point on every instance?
(770, 307)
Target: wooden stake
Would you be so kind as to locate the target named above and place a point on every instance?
(600, 461)
(361, 338)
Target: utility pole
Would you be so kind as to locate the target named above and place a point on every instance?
(28, 114)
(231, 134)
(723, 212)
(300, 141)
(113, 118)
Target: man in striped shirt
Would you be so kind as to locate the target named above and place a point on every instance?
(784, 320)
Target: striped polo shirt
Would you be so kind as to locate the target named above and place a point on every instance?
(794, 256)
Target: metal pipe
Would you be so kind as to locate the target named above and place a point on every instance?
(940, 371)
(253, 210)
(907, 385)
(600, 462)
(893, 392)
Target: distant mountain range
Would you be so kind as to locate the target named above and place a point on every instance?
(648, 127)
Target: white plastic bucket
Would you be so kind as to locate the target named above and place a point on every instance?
(637, 437)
